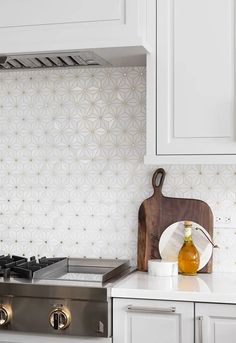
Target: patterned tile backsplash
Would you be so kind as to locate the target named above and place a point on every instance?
(71, 166)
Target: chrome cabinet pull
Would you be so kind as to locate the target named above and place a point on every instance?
(200, 319)
(136, 309)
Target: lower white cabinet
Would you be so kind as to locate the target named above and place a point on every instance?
(152, 321)
(215, 323)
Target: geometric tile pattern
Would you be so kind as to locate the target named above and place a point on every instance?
(71, 166)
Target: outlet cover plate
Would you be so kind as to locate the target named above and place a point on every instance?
(225, 220)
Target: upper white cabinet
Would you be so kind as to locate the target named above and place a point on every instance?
(47, 25)
(191, 83)
(48, 12)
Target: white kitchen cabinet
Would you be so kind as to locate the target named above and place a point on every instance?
(215, 323)
(55, 25)
(191, 83)
(152, 321)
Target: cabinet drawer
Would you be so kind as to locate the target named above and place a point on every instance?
(138, 321)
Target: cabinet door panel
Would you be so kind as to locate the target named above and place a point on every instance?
(216, 323)
(33, 12)
(154, 326)
(203, 59)
(195, 77)
(152, 321)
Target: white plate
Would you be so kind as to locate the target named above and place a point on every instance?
(172, 239)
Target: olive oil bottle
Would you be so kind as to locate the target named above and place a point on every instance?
(188, 258)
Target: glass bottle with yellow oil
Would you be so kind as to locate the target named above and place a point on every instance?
(188, 258)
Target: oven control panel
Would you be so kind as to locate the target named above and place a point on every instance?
(57, 316)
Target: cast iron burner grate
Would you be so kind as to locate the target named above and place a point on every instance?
(21, 267)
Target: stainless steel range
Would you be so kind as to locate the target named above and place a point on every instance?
(58, 296)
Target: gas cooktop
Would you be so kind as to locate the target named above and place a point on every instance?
(71, 296)
(60, 269)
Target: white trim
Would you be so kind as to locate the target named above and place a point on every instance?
(190, 159)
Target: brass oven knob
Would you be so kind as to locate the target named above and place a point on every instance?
(60, 318)
(5, 314)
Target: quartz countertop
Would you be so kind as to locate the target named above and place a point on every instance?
(215, 287)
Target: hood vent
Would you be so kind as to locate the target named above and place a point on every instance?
(76, 59)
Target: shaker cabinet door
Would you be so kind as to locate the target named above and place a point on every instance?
(139, 321)
(215, 323)
(48, 12)
(195, 83)
(53, 25)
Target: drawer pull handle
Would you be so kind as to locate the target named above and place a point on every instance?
(136, 309)
(200, 319)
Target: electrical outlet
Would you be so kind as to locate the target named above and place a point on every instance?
(225, 219)
(222, 219)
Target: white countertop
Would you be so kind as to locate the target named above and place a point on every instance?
(215, 287)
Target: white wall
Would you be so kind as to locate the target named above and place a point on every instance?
(71, 166)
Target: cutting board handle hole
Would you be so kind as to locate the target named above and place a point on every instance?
(158, 178)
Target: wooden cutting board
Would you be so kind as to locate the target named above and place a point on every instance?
(158, 212)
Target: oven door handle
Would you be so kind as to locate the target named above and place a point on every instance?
(155, 310)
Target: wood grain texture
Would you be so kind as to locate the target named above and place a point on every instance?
(158, 212)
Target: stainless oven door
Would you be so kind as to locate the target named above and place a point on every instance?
(20, 337)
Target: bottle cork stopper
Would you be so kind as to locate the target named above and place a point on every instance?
(187, 223)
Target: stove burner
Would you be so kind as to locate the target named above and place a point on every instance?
(21, 267)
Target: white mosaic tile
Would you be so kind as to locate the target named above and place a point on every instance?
(71, 166)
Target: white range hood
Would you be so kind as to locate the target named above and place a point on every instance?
(58, 33)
